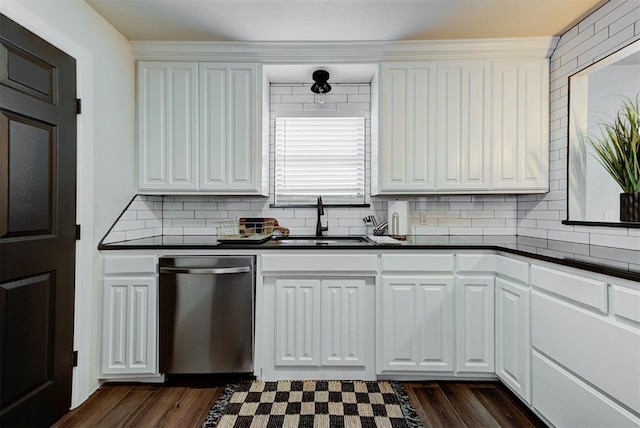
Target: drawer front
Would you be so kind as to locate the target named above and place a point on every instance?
(476, 263)
(626, 303)
(565, 401)
(417, 263)
(596, 348)
(589, 292)
(514, 269)
(323, 263)
(130, 265)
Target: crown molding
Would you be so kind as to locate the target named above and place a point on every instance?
(346, 52)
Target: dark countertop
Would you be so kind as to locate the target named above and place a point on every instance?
(622, 263)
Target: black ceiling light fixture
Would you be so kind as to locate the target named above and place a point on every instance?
(320, 86)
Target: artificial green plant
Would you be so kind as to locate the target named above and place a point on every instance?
(618, 149)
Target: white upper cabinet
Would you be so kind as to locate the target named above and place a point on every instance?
(464, 127)
(228, 130)
(408, 133)
(199, 128)
(464, 103)
(520, 126)
(167, 125)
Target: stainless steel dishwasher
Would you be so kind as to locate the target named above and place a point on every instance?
(206, 310)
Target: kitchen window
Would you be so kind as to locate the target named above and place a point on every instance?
(320, 156)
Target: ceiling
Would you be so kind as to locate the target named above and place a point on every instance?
(340, 20)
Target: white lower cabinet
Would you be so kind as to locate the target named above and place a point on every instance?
(129, 325)
(586, 357)
(319, 327)
(345, 322)
(297, 329)
(475, 333)
(417, 323)
(129, 317)
(512, 333)
(566, 401)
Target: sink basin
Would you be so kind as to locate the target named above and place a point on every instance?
(318, 241)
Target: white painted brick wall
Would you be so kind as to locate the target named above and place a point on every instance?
(609, 28)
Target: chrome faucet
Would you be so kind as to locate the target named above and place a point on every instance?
(319, 227)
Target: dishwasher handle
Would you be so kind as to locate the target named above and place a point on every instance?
(209, 271)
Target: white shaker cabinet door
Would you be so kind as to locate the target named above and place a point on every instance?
(464, 126)
(521, 126)
(417, 323)
(129, 325)
(475, 338)
(167, 125)
(229, 149)
(513, 340)
(408, 137)
(297, 322)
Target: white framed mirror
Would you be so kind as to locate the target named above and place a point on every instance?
(595, 96)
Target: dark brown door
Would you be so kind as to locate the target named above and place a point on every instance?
(37, 227)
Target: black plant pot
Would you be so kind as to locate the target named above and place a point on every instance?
(630, 207)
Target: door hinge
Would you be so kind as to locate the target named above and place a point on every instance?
(75, 359)
(77, 232)
(78, 105)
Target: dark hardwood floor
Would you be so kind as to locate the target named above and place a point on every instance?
(185, 402)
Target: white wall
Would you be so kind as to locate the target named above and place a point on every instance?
(106, 146)
(609, 28)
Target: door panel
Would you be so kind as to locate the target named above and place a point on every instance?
(27, 185)
(37, 227)
(27, 73)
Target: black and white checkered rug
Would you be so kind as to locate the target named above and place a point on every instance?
(313, 404)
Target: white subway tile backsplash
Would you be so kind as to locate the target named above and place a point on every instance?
(200, 206)
(457, 222)
(153, 223)
(466, 231)
(211, 214)
(483, 222)
(129, 225)
(628, 242)
(137, 234)
(177, 214)
(115, 237)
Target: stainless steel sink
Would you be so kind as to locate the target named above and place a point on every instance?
(321, 241)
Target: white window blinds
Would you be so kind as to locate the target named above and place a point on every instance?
(319, 156)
